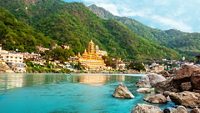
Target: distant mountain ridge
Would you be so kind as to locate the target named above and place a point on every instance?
(186, 43)
(75, 25)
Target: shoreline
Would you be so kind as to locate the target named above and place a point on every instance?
(82, 74)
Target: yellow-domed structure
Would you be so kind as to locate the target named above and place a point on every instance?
(90, 59)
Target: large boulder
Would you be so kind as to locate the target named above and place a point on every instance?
(155, 78)
(144, 108)
(167, 85)
(144, 82)
(186, 98)
(186, 71)
(187, 78)
(195, 80)
(150, 80)
(156, 99)
(122, 92)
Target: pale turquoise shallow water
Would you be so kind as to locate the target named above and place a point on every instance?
(61, 93)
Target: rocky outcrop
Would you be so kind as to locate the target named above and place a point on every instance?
(155, 78)
(150, 80)
(179, 109)
(144, 108)
(187, 78)
(145, 90)
(167, 85)
(186, 98)
(156, 99)
(185, 71)
(122, 92)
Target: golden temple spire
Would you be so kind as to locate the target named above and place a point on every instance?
(79, 55)
(85, 51)
(91, 47)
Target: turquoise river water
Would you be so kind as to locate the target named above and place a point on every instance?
(63, 93)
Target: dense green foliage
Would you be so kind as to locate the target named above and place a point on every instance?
(139, 66)
(58, 54)
(185, 43)
(75, 25)
(15, 34)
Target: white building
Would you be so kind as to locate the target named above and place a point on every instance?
(13, 59)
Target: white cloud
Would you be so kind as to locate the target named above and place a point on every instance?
(172, 23)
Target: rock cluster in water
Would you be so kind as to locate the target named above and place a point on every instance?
(122, 92)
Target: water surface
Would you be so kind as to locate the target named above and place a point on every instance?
(62, 93)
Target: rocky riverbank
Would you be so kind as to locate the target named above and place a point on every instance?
(181, 86)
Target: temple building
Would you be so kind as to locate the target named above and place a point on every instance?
(92, 59)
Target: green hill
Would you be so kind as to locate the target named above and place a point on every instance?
(185, 43)
(15, 34)
(74, 24)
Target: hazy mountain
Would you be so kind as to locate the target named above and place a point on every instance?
(186, 43)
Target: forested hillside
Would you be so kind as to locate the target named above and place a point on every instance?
(74, 24)
(15, 34)
(185, 43)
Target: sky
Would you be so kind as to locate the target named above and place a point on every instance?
(183, 15)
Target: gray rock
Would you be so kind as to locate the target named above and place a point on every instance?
(144, 82)
(155, 78)
(144, 108)
(122, 92)
(150, 80)
(156, 99)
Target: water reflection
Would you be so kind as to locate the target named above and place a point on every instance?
(10, 81)
(99, 79)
